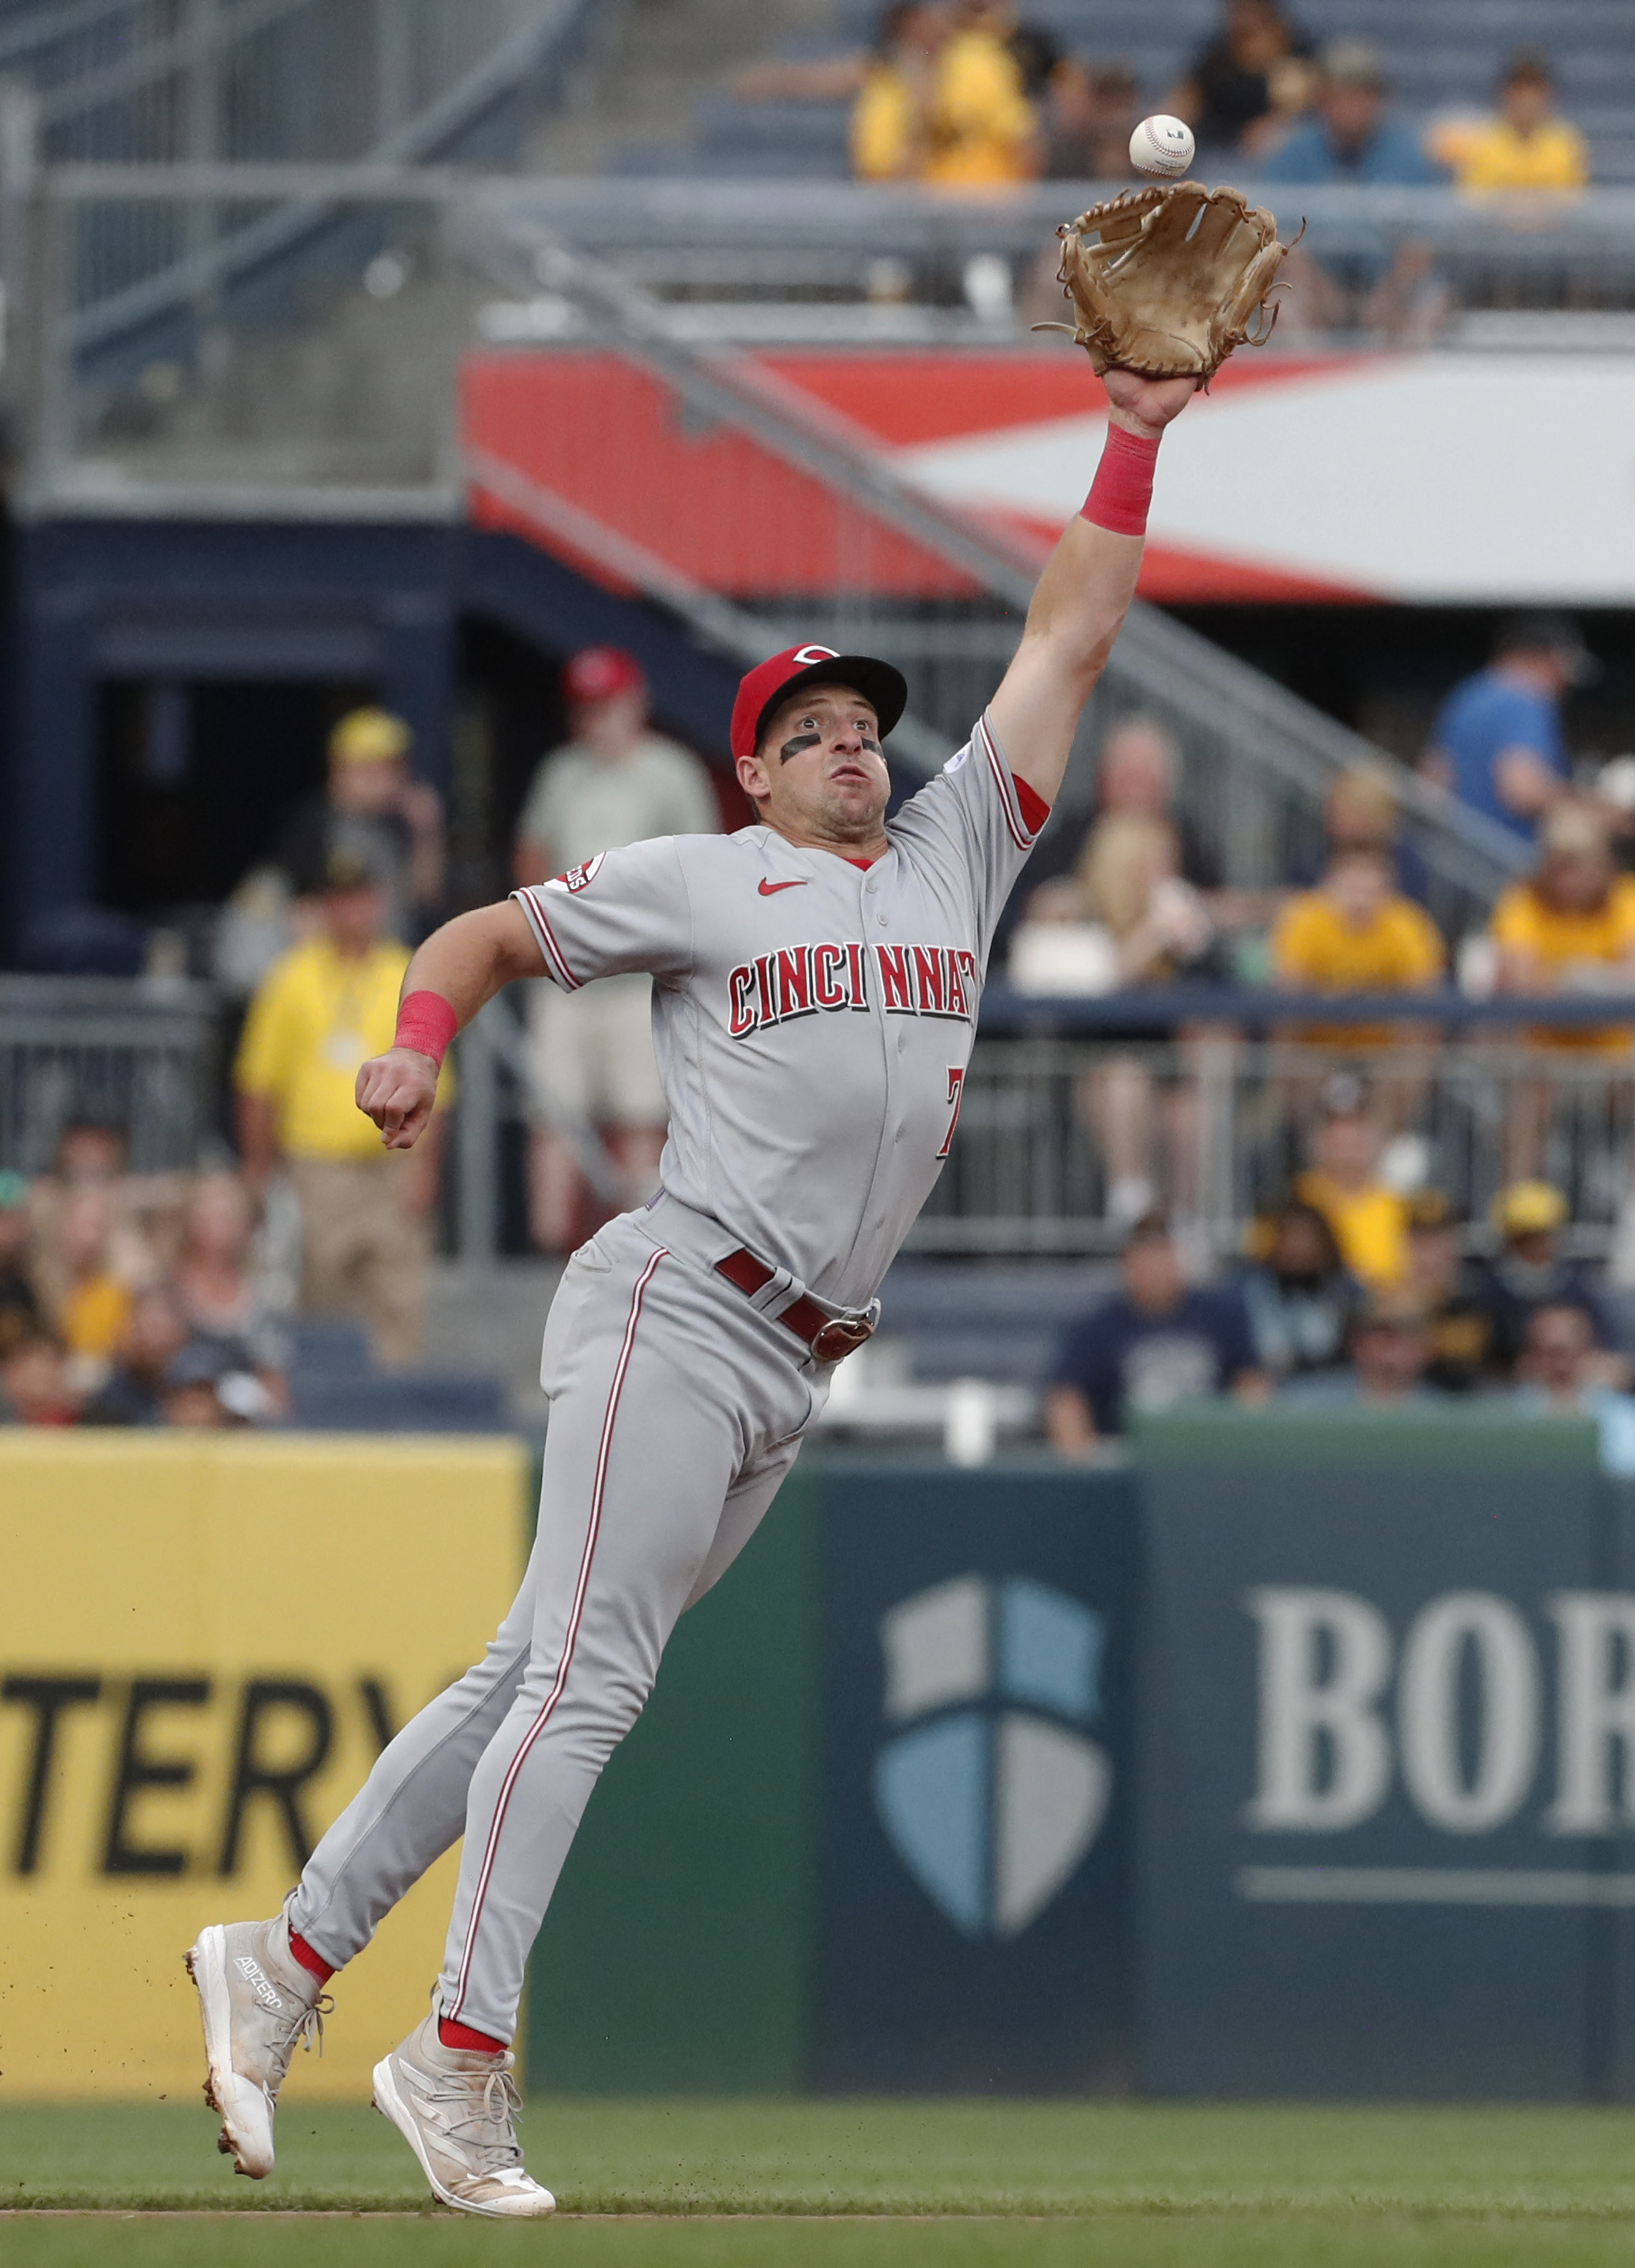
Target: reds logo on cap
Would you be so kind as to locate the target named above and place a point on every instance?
(881, 686)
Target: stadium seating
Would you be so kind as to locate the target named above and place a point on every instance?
(1441, 56)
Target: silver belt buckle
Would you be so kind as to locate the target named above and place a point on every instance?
(840, 1337)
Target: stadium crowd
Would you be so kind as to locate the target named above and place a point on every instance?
(968, 95)
(139, 1299)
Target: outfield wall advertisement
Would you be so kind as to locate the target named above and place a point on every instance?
(204, 1643)
(1293, 1759)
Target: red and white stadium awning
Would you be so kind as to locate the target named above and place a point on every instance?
(1434, 479)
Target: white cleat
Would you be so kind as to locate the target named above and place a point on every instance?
(257, 2000)
(456, 2112)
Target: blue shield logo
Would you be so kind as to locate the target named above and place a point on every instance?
(992, 1795)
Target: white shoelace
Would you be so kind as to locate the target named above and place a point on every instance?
(487, 2131)
(308, 2027)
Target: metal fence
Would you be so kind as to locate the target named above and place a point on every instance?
(1228, 1117)
(132, 1056)
(200, 84)
(1228, 1128)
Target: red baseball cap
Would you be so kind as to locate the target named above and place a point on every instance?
(598, 672)
(884, 687)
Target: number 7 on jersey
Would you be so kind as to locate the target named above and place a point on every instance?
(956, 1096)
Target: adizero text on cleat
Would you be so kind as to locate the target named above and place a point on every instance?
(257, 2001)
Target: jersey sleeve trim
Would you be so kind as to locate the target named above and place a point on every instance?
(545, 937)
(1021, 833)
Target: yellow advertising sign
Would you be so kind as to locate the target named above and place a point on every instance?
(205, 1641)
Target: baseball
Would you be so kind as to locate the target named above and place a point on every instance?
(1162, 145)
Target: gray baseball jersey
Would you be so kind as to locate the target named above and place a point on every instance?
(813, 1023)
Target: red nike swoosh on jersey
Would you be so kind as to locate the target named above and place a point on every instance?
(771, 889)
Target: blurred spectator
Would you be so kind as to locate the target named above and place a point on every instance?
(1569, 929)
(202, 1386)
(1351, 136)
(219, 1296)
(1559, 1372)
(324, 1009)
(1496, 742)
(93, 1309)
(1529, 1273)
(946, 104)
(982, 128)
(611, 783)
(20, 1315)
(34, 1385)
(1301, 1298)
(1088, 111)
(890, 117)
(1360, 812)
(1354, 933)
(1571, 926)
(91, 1154)
(155, 1334)
(1390, 1349)
(1438, 1281)
(1527, 146)
(374, 810)
(1156, 1345)
(1367, 1218)
(1143, 889)
(1251, 79)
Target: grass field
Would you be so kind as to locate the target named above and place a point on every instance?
(848, 2184)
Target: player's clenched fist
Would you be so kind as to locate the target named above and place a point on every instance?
(397, 1090)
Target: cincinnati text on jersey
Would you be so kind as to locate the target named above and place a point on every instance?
(809, 979)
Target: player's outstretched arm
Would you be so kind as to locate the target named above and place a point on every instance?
(462, 965)
(1079, 607)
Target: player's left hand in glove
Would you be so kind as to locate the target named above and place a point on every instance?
(1166, 281)
(398, 1090)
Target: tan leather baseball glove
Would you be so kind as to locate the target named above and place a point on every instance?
(1166, 281)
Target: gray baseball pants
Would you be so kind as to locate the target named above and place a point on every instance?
(676, 1411)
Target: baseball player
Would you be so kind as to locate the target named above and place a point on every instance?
(816, 980)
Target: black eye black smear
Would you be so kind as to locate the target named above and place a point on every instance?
(867, 743)
(795, 748)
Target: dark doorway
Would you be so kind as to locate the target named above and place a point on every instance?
(197, 780)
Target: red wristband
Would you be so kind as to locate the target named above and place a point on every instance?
(426, 1023)
(1123, 488)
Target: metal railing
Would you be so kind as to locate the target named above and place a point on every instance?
(717, 239)
(207, 83)
(139, 1056)
(1225, 1126)
(1228, 1114)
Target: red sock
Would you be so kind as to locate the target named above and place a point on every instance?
(461, 2036)
(303, 1952)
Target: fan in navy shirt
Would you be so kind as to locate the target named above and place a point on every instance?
(1156, 1345)
(1497, 741)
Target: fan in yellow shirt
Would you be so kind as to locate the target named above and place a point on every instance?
(1369, 1220)
(1526, 147)
(321, 1012)
(1571, 927)
(946, 108)
(1355, 934)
